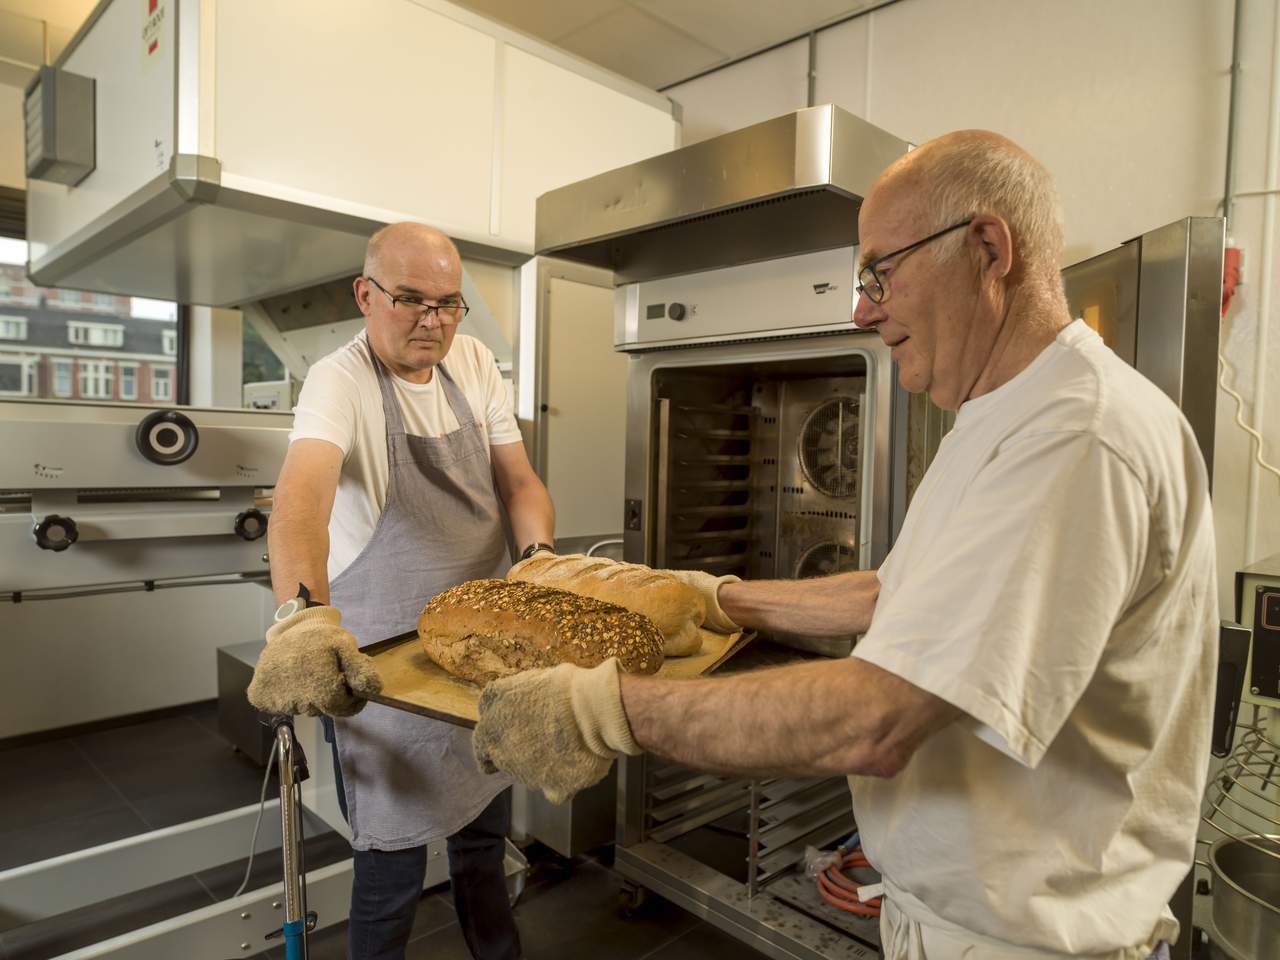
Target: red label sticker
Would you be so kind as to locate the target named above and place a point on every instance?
(152, 25)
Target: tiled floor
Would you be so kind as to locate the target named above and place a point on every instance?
(63, 795)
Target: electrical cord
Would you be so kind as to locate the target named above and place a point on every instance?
(257, 823)
(1223, 369)
(839, 891)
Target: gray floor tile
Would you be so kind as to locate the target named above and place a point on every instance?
(48, 782)
(579, 918)
(704, 942)
(67, 835)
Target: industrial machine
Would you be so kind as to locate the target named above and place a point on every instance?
(768, 437)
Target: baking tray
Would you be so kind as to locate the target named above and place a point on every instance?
(413, 682)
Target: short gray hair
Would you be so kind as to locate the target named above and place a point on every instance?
(975, 172)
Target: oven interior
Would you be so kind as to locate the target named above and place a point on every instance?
(759, 471)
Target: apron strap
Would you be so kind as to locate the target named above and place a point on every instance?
(456, 398)
(390, 404)
(453, 395)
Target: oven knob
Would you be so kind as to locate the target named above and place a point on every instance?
(251, 524)
(55, 533)
(676, 311)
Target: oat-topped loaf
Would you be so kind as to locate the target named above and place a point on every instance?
(485, 629)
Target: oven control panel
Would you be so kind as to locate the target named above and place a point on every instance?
(808, 293)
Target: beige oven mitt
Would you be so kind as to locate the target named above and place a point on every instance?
(557, 730)
(312, 666)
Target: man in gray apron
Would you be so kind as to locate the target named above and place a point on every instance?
(357, 549)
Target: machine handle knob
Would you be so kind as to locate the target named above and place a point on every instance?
(677, 311)
(55, 533)
(167, 437)
(251, 524)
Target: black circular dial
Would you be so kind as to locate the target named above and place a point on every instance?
(677, 311)
(251, 524)
(55, 533)
(167, 437)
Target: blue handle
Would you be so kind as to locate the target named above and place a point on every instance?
(294, 933)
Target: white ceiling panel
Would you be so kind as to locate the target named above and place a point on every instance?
(545, 19)
(636, 45)
(659, 42)
(737, 27)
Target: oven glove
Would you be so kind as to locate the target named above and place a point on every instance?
(312, 666)
(709, 586)
(557, 730)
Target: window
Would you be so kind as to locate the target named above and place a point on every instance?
(128, 381)
(96, 378)
(15, 289)
(162, 383)
(83, 301)
(87, 334)
(17, 376)
(61, 378)
(169, 341)
(13, 328)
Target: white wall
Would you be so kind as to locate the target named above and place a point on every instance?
(1125, 103)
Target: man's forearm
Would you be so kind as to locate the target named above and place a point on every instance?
(298, 547)
(815, 719)
(533, 517)
(834, 606)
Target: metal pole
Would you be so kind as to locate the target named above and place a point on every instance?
(1228, 190)
(813, 68)
(294, 922)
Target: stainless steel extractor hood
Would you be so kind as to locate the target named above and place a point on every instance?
(785, 186)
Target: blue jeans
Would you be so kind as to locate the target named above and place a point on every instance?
(388, 885)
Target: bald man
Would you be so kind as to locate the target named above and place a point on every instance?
(404, 451)
(1025, 720)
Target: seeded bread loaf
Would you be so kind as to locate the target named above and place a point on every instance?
(485, 629)
(675, 608)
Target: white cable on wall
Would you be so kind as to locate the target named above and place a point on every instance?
(1256, 444)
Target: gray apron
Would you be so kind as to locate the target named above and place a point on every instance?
(409, 780)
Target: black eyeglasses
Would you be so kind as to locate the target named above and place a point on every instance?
(871, 282)
(450, 312)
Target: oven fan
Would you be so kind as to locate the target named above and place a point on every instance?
(829, 448)
(825, 558)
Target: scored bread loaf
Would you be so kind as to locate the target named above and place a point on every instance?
(675, 608)
(485, 629)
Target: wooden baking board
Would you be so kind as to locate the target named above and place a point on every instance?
(413, 682)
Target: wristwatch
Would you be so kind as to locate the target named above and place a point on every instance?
(302, 601)
(533, 548)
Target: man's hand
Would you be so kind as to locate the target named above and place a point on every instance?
(312, 666)
(557, 730)
(709, 586)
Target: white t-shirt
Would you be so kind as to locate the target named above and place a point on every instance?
(340, 402)
(1055, 580)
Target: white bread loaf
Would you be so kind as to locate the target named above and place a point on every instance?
(675, 608)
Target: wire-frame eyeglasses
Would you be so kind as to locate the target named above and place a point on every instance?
(450, 312)
(872, 283)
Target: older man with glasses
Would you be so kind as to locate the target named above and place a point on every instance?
(1025, 720)
(404, 451)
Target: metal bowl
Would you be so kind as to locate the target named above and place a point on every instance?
(1246, 896)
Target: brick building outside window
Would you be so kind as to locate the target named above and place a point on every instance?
(71, 345)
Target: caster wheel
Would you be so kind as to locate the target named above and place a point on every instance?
(631, 900)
